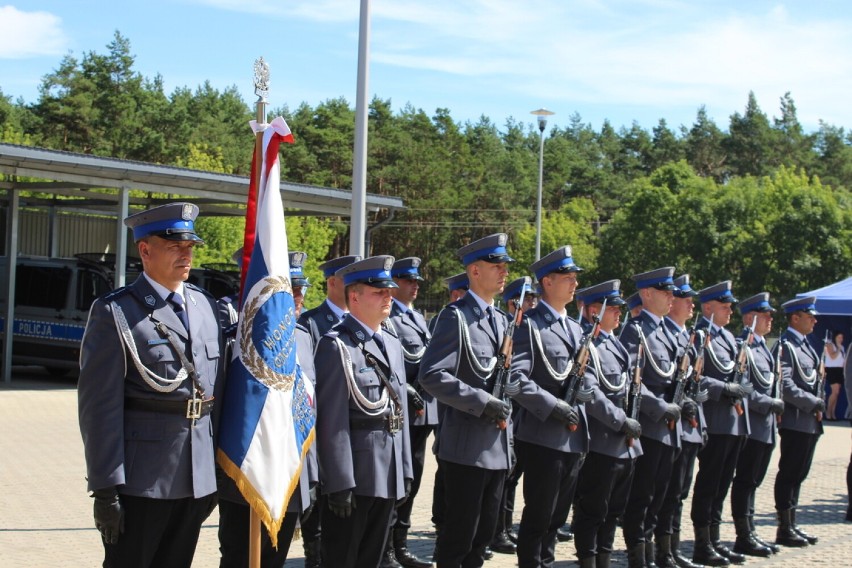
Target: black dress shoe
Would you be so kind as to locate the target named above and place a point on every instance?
(502, 544)
(488, 555)
(564, 534)
(513, 536)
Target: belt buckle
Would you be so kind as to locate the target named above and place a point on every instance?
(394, 422)
(193, 409)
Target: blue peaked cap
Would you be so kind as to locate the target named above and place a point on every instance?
(173, 222)
(757, 303)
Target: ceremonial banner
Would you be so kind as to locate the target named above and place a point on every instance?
(268, 416)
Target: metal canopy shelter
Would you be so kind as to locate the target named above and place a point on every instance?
(102, 185)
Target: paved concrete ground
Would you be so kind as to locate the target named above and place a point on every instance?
(46, 517)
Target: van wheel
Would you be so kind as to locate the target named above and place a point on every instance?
(56, 371)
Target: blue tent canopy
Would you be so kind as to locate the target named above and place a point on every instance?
(834, 299)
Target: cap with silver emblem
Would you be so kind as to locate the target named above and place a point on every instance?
(373, 271)
(173, 222)
(490, 249)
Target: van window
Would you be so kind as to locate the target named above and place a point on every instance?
(90, 286)
(42, 286)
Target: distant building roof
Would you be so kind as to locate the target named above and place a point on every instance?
(74, 175)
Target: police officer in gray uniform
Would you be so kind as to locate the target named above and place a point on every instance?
(726, 411)
(145, 415)
(659, 443)
(801, 424)
(457, 286)
(458, 369)
(413, 332)
(764, 407)
(550, 451)
(234, 513)
(318, 321)
(693, 425)
(605, 478)
(504, 540)
(362, 431)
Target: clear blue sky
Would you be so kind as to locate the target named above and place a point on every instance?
(621, 60)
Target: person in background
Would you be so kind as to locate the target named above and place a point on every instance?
(764, 408)
(835, 355)
(800, 427)
(504, 539)
(604, 481)
(413, 332)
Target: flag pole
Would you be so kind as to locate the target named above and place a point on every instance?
(261, 89)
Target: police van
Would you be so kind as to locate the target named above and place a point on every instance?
(53, 297)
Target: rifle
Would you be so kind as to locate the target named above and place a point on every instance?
(820, 386)
(682, 377)
(634, 396)
(698, 368)
(504, 357)
(574, 392)
(779, 385)
(742, 366)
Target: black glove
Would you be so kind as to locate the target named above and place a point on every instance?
(497, 409)
(690, 409)
(776, 406)
(407, 488)
(109, 514)
(632, 428)
(734, 390)
(415, 401)
(341, 503)
(565, 413)
(820, 406)
(312, 500)
(672, 412)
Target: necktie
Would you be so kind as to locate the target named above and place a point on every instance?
(380, 342)
(176, 301)
(563, 324)
(489, 311)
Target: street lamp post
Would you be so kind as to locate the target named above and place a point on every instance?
(542, 115)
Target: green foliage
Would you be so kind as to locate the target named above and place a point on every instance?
(762, 203)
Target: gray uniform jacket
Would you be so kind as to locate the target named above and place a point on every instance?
(318, 321)
(448, 372)
(159, 454)
(663, 347)
(539, 389)
(357, 451)
(721, 414)
(800, 398)
(608, 375)
(764, 426)
(413, 332)
(689, 433)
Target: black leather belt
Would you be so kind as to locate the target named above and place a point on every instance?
(371, 423)
(202, 407)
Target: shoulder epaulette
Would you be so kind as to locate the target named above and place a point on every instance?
(195, 288)
(115, 294)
